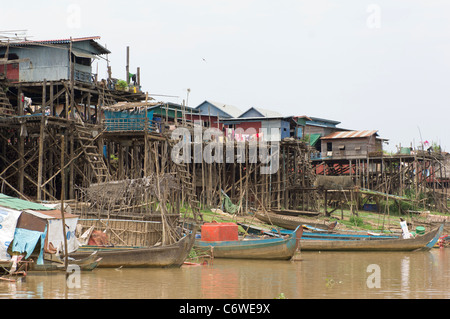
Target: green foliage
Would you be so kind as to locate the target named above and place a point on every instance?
(356, 220)
(121, 85)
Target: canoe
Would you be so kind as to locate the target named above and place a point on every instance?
(292, 212)
(420, 242)
(88, 263)
(272, 248)
(163, 256)
(292, 222)
(317, 233)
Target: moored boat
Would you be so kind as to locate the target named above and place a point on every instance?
(162, 256)
(292, 222)
(420, 242)
(314, 233)
(273, 248)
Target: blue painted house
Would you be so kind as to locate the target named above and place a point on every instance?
(51, 59)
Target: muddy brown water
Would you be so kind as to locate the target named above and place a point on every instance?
(318, 275)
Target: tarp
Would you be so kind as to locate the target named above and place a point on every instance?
(20, 204)
(25, 241)
(56, 236)
(8, 222)
(313, 138)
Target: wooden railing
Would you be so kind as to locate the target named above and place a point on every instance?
(129, 125)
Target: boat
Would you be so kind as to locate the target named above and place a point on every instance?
(315, 233)
(271, 248)
(419, 242)
(24, 267)
(292, 222)
(88, 263)
(158, 256)
(293, 212)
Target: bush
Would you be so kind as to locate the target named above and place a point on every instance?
(356, 220)
(121, 85)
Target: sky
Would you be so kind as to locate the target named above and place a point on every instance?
(372, 65)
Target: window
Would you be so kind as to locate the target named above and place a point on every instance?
(329, 147)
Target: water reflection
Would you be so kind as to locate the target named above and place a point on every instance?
(405, 277)
(318, 275)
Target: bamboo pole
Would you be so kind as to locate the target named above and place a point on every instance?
(63, 182)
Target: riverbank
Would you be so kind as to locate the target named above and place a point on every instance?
(362, 221)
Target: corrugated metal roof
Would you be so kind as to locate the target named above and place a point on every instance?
(229, 109)
(101, 49)
(20, 204)
(56, 41)
(350, 134)
(263, 112)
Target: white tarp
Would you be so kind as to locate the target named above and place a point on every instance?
(56, 236)
(8, 222)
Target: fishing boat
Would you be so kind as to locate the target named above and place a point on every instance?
(293, 212)
(18, 267)
(272, 248)
(88, 263)
(419, 242)
(160, 256)
(319, 234)
(315, 233)
(292, 222)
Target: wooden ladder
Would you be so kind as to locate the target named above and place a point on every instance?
(92, 153)
(188, 188)
(6, 108)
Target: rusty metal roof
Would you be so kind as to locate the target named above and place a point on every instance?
(93, 39)
(350, 134)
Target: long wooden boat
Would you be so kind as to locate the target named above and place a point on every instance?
(274, 248)
(292, 212)
(291, 222)
(318, 234)
(421, 242)
(163, 256)
(88, 263)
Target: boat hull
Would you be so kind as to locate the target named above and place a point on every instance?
(424, 242)
(168, 256)
(289, 222)
(281, 248)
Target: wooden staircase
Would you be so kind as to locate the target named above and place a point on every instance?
(6, 108)
(92, 154)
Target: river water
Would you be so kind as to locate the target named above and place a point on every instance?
(317, 275)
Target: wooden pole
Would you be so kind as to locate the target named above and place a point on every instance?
(41, 144)
(127, 78)
(63, 188)
(146, 136)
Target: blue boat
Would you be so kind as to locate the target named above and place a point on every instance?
(317, 234)
(273, 248)
(334, 241)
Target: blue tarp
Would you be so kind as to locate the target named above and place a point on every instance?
(25, 241)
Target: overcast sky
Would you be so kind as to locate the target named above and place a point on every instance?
(381, 65)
